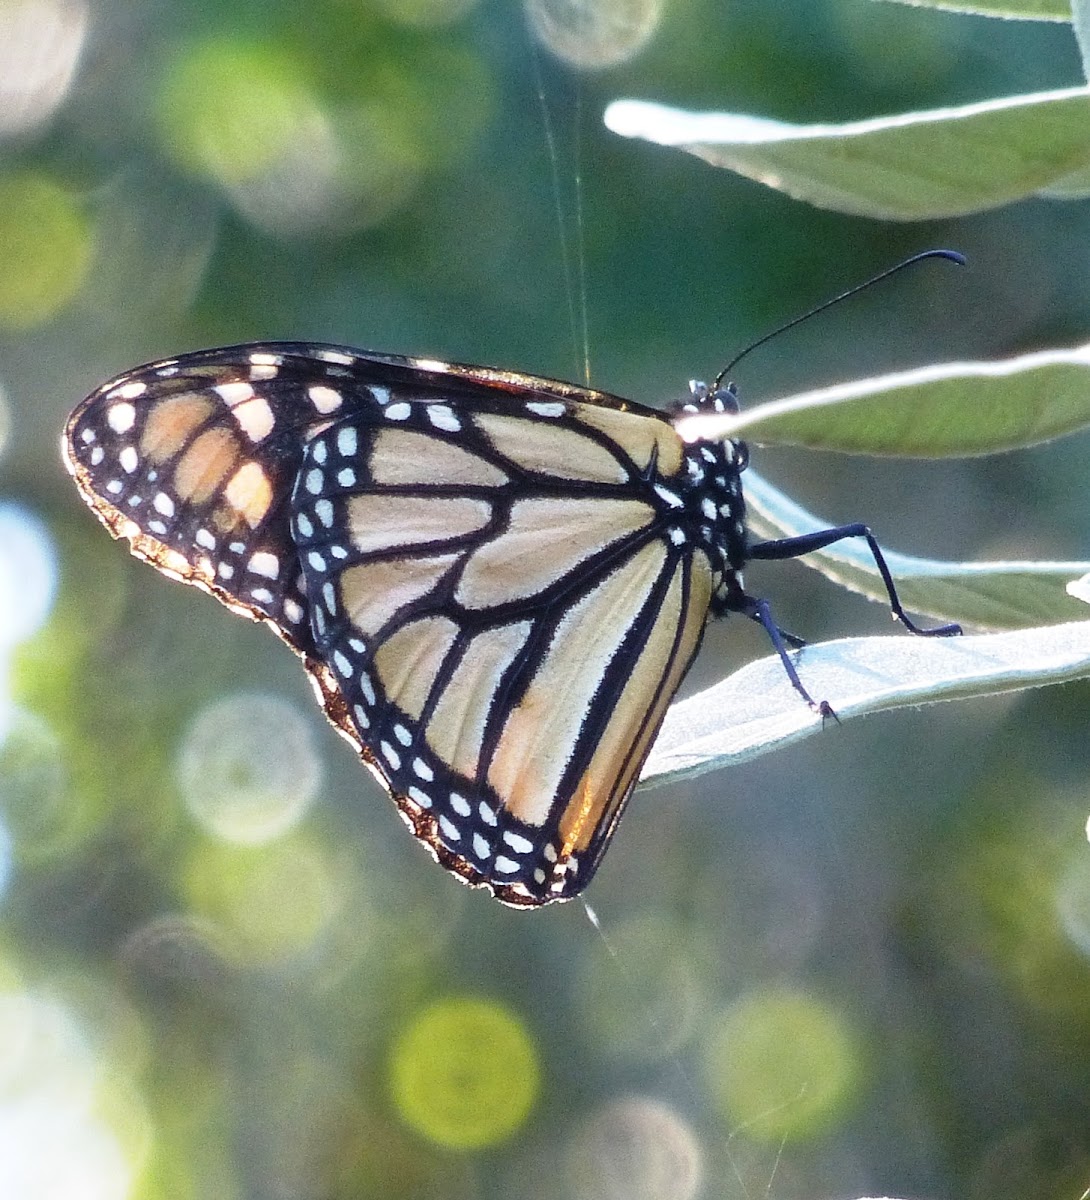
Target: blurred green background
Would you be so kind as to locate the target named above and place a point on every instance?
(859, 967)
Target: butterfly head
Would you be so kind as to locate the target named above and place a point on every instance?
(710, 398)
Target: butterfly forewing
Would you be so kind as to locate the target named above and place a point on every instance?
(497, 582)
(193, 460)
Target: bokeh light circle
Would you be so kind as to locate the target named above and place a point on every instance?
(43, 815)
(5, 419)
(248, 767)
(465, 1073)
(1073, 902)
(273, 901)
(635, 1148)
(594, 34)
(231, 109)
(782, 1066)
(7, 859)
(40, 46)
(54, 1142)
(47, 249)
(28, 572)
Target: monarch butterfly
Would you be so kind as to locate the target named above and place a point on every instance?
(496, 582)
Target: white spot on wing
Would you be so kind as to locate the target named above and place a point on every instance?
(347, 442)
(122, 417)
(421, 797)
(129, 391)
(264, 563)
(234, 393)
(546, 408)
(517, 842)
(442, 416)
(325, 399)
(255, 418)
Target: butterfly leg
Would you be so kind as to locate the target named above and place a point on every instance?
(758, 610)
(794, 547)
(792, 639)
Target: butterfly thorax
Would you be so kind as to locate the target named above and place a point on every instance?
(714, 503)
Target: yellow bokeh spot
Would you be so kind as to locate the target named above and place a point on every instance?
(1015, 894)
(275, 899)
(464, 1073)
(783, 1065)
(47, 249)
(233, 110)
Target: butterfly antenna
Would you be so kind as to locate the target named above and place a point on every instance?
(952, 255)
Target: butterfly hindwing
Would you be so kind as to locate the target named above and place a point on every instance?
(466, 566)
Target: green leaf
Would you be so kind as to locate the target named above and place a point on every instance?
(1072, 187)
(1080, 21)
(948, 410)
(756, 709)
(909, 167)
(988, 595)
(1011, 10)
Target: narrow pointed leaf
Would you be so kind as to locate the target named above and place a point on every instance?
(909, 167)
(756, 709)
(988, 595)
(1011, 10)
(1080, 22)
(948, 410)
